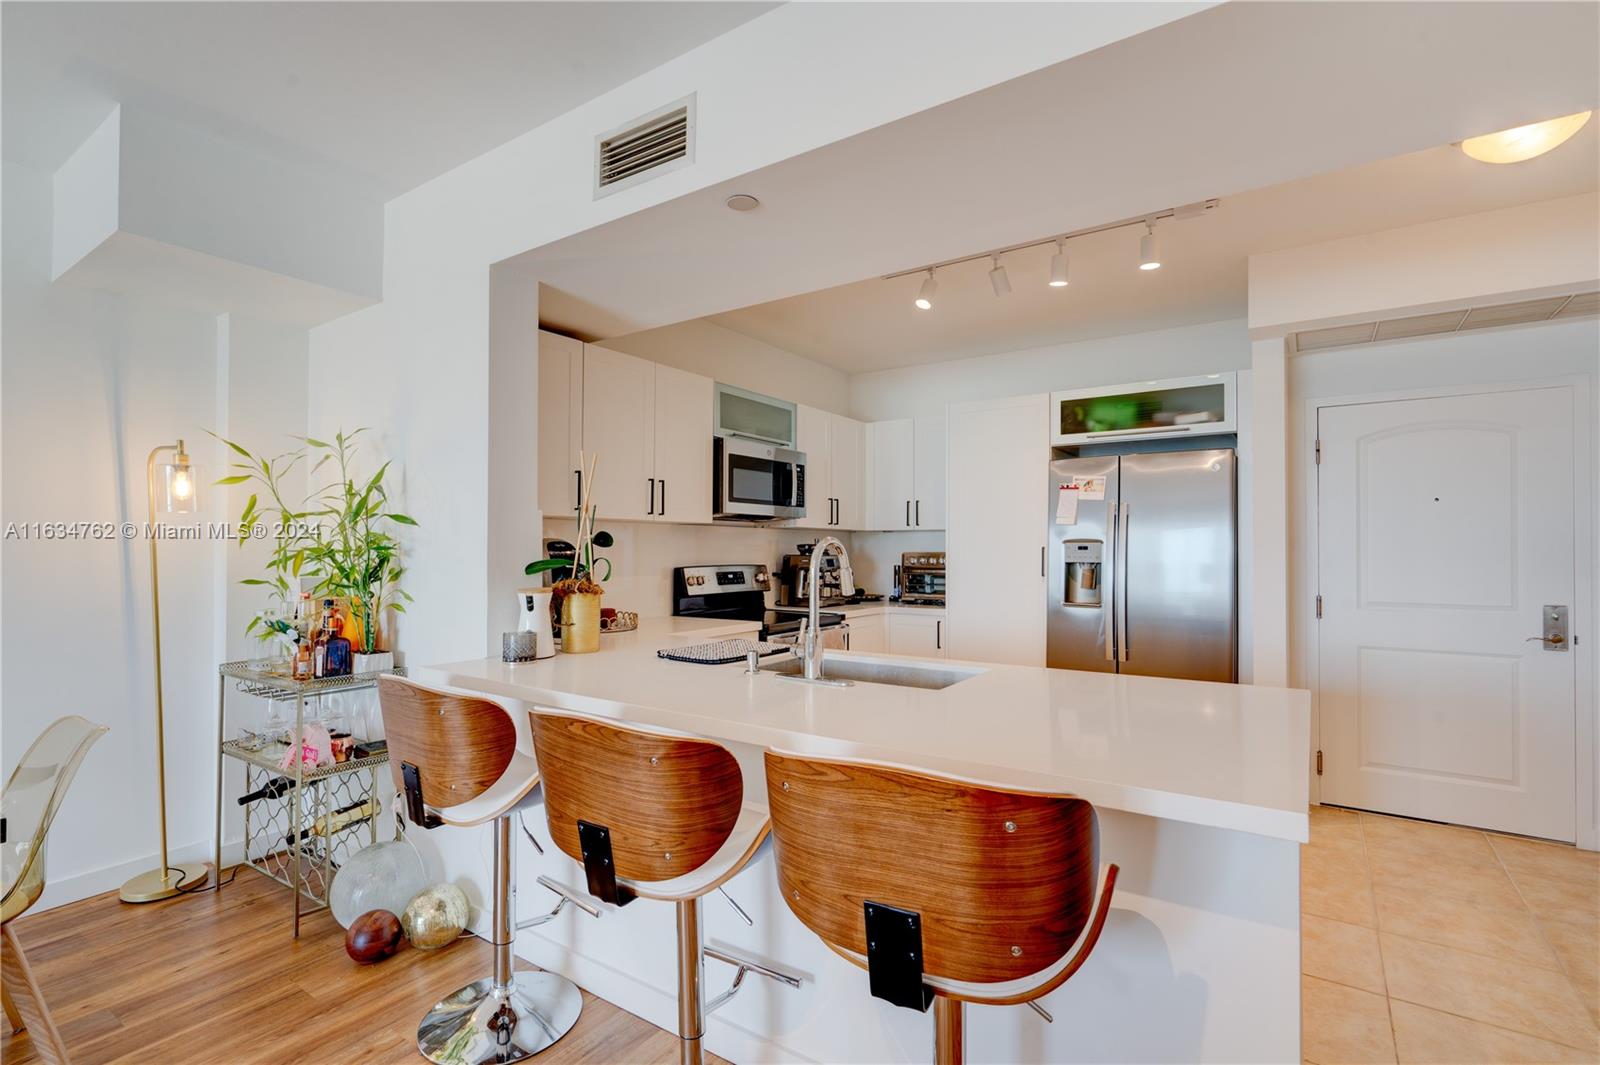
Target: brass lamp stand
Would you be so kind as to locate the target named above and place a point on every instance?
(177, 497)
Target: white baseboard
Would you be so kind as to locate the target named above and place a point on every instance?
(60, 891)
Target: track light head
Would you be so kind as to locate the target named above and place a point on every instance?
(924, 299)
(1058, 266)
(1149, 259)
(998, 279)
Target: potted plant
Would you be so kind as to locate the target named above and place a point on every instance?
(577, 594)
(340, 538)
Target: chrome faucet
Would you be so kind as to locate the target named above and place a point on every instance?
(808, 648)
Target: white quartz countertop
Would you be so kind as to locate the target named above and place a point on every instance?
(1224, 755)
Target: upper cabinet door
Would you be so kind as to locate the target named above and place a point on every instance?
(928, 473)
(813, 437)
(619, 415)
(560, 423)
(849, 463)
(683, 415)
(890, 462)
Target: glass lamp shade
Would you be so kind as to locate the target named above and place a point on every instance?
(176, 487)
(1524, 142)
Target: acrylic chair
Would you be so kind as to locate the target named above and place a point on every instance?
(27, 807)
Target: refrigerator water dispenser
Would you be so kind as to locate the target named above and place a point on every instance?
(1083, 572)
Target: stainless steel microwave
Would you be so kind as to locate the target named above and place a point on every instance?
(756, 481)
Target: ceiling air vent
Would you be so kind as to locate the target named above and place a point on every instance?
(645, 148)
(1540, 310)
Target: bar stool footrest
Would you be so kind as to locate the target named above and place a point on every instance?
(744, 965)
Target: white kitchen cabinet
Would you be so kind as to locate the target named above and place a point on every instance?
(906, 473)
(683, 416)
(890, 465)
(647, 424)
(619, 422)
(928, 472)
(560, 423)
(994, 547)
(868, 633)
(835, 461)
(849, 470)
(919, 634)
(813, 432)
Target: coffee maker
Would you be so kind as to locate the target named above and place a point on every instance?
(794, 579)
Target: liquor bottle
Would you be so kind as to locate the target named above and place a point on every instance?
(319, 647)
(303, 616)
(357, 813)
(336, 662)
(304, 661)
(270, 790)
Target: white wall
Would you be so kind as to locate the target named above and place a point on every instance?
(704, 347)
(904, 393)
(1528, 250)
(92, 381)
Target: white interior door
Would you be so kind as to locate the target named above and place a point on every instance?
(1444, 527)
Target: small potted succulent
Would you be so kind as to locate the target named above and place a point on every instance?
(578, 589)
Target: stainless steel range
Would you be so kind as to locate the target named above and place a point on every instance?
(738, 593)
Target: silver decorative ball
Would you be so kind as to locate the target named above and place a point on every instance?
(435, 917)
(384, 876)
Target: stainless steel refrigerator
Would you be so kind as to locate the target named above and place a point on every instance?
(1142, 565)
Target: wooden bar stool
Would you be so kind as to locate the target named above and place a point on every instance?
(658, 815)
(464, 761)
(944, 891)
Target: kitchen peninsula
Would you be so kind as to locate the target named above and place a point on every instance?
(1201, 791)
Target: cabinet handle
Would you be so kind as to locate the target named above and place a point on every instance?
(579, 504)
(663, 498)
(908, 513)
(919, 513)
(652, 509)
(938, 634)
(836, 518)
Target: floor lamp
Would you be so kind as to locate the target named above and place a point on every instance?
(170, 488)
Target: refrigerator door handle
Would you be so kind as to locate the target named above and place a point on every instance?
(1113, 580)
(1122, 568)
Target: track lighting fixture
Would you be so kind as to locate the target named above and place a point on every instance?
(998, 278)
(1148, 258)
(1058, 265)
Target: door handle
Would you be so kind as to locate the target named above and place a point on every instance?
(1113, 579)
(1123, 641)
(1041, 561)
(1555, 628)
(652, 509)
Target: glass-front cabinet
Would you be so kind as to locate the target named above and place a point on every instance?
(1184, 406)
(754, 416)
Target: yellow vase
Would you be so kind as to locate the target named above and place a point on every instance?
(580, 623)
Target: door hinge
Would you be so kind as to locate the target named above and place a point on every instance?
(1319, 452)
(1319, 763)
(1319, 608)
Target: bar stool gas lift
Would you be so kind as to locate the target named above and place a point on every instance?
(465, 761)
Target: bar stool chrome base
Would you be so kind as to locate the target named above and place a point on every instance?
(481, 1023)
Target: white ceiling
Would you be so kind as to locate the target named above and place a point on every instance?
(872, 325)
(385, 94)
(1235, 98)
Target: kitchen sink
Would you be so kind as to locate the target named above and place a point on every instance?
(908, 674)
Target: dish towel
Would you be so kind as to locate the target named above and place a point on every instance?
(720, 652)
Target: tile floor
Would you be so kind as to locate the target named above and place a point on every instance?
(1430, 943)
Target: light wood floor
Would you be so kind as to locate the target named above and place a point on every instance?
(217, 979)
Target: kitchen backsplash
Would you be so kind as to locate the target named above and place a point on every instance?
(645, 554)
